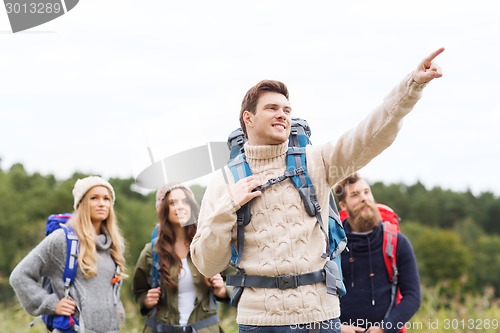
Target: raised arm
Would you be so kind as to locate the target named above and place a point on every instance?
(358, 146)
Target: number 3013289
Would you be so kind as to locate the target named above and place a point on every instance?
(471, 324)
(33, 8)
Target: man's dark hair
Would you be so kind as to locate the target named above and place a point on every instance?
(339, 188)
(249, 102)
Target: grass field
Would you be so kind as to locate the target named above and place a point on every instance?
(467, 314)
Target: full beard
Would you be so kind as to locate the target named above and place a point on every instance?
(364, 217)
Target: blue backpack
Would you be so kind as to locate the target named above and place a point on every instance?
(64, 324)
(155, 270)
(296, 170)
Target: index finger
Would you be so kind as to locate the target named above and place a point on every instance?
(433, 55)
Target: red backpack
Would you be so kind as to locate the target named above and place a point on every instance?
(390, 223)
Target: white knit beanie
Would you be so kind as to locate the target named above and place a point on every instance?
(166, 189)
(82, 186)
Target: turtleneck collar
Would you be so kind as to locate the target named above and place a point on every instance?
(102, 242)
(265, 152)
(262, 158)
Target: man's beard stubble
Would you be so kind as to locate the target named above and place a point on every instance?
(363, 220)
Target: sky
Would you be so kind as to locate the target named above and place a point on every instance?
(113, 85)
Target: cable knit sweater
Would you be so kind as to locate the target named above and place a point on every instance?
(95, 297)
(281, 237)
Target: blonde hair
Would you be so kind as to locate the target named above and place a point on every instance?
(85, 230)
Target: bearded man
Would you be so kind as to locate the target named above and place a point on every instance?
(367, 306)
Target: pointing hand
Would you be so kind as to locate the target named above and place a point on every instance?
(428, 70)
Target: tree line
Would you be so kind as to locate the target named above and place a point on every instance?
(455, 235)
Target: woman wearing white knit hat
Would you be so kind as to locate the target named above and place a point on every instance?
(93, 298)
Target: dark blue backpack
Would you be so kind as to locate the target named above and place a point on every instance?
(335, 239)
(64, 324)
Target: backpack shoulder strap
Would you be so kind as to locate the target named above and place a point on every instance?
(72, 248)
(235, 143)
(300, 133)
(240, 169)
(296, 165)
(389, 248)
(336, 233)
(338, 243)
(155, 267)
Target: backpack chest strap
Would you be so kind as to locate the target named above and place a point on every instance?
(288, 174)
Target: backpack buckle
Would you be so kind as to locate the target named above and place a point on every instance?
(317, 206)
(297, 172)
(287, 281)
(273, 181)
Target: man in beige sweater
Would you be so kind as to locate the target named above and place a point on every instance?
(281, 238)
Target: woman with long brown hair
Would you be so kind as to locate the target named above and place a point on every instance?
(185, 299)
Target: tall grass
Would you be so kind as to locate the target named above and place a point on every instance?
(463, 314)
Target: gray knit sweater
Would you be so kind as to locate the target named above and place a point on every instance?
(95, 296)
